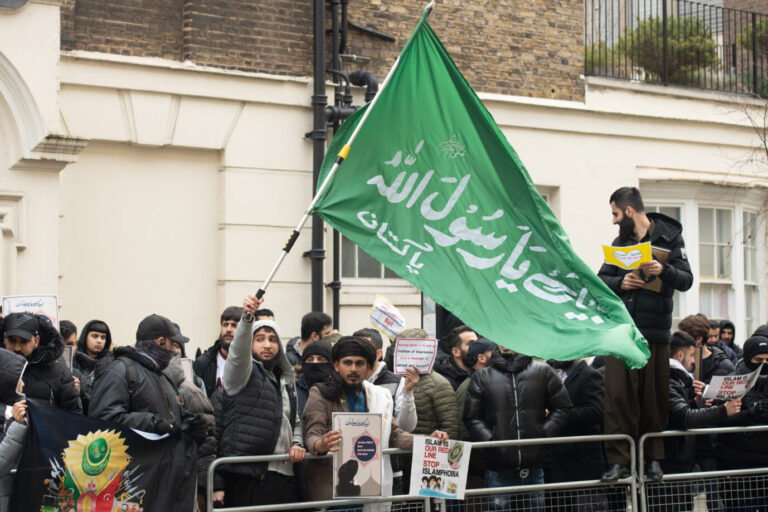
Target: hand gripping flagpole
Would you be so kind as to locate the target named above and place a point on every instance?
(342, 155)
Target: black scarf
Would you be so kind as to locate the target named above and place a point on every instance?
(158, 354)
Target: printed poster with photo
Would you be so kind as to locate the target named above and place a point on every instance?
(439, 468)
(46, 305)
(357, 466)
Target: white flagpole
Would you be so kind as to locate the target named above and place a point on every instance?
(339, 160)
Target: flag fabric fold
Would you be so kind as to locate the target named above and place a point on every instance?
(432, 189)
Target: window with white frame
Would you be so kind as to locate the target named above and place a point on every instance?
(674, 212)
(724, 232)
(355, 262)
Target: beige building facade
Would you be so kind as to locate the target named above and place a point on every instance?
(132, 184)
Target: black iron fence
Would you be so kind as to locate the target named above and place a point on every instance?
(677, 42)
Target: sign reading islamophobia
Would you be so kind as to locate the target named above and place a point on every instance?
(433, 190)
(73, 463)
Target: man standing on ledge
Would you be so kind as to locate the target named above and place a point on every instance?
(637, 401)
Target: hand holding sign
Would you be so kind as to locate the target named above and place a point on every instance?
(628, 257)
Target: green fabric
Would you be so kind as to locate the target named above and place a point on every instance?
(433, 190)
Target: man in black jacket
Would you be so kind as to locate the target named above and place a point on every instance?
(134, 391)
(47, 377)
(209, 365)
(453, 366)
(636, 401)
(509, 400)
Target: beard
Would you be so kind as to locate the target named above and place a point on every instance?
(626, 228)
(354, 388)
(465, 359)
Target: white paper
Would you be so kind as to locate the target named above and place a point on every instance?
(386, 318)
(359, 458)
(730, 387)
(439, 469)
(46, 305)
(420, 353)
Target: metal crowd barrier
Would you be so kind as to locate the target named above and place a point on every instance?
(583, 495)
(707, 491)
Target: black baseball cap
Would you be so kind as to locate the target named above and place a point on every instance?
(157, 326)
(23, 325)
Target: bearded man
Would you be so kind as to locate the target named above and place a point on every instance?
(637, 401)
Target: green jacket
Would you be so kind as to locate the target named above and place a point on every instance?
(435, 406)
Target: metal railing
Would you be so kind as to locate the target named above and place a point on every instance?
(677, 42)
(704, 490)
(513, 498)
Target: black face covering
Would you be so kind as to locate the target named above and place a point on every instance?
(559, 365)
(626, 228)
(316, 372)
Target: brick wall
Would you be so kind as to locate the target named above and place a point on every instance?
(759, 6)
(522, 47)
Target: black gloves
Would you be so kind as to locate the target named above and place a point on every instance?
(196, 426)
(166, 427)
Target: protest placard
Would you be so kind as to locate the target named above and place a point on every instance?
(386, 318)
(415, 352)
(730, 387)
(439, 468)
(357, 466)
(46, 305)
(627, 257)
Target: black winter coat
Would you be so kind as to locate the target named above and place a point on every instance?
(445, 366)
(581, 461)
(716, 364)
(508, 400)
(684, 413)
(47, 377)
(205, 367)
(652, 311)
(139, 397)
(747, 450)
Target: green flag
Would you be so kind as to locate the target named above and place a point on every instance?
(433, 190)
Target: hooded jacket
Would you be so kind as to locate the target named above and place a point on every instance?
(735, 351)
(249, 409)
(205, 367)
(47, 377)
(509, 400)
(83, 365)
(652, 311)
(684, 414)
(445, 366)
(13, 435)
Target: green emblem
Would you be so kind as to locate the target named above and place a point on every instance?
(96, 457)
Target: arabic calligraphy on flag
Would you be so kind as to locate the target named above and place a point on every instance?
(432, 189)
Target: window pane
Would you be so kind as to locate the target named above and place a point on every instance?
(723, 262)
(750, 264)
(670, 211)
(348, 250)
(367, 266)
(748, 234)
(752, 302)
(723, 226)
(706, 225)
(707, 261)
(389, 273)
(713, 300)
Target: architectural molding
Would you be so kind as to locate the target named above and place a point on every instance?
(52, 154)
(23, 107)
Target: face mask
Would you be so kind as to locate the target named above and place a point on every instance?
(560, 365)
(316, 372)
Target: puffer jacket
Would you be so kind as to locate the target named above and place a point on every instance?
(47, 377)
(435, 406)
(83, 365)
(509, 400)
(749, 449)
(205, 367)
(139, 397)
(652, 311)
(716, 364)
(10, 451)
(445, 366)
(684, 413)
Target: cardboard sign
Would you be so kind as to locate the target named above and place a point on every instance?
(414, 352)
(439, 469)
(46, 305)
(730, 387)
(386, 318)
(629, 257)
(358, 466)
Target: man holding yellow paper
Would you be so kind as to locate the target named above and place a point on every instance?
(636, 401)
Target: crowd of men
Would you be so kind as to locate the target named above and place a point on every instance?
(251, 394)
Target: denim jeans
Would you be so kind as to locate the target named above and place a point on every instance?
(528, 501)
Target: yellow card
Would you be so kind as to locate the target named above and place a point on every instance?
(628, 257)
